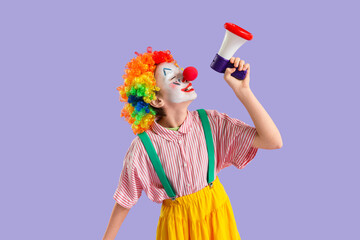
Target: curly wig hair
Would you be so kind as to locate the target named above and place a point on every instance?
(140, 88)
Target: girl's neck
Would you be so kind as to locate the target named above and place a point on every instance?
(174, 118)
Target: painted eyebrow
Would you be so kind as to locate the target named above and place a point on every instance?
(166, 69)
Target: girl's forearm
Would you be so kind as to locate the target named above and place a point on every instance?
(264, 125)
(117, 217)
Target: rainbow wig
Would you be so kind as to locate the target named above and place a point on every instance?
(140, 88)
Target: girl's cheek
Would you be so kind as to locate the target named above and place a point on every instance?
(173, 86)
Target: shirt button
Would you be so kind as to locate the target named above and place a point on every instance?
(180, 141)
(185, 164)
(188, 184)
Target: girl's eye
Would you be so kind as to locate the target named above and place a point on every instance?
(177, 81)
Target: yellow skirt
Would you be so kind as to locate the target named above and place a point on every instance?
(206, 214)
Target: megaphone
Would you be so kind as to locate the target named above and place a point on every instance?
(234, 38)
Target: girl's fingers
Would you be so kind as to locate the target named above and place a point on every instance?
(239, 64)
(237, 61)
(242, 62)
(246, 66)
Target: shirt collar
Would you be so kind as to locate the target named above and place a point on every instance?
(171, 135)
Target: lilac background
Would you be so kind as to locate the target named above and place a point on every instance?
(63, 141)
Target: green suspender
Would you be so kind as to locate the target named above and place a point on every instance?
(209, 143)
(157, 164)
(154, 158)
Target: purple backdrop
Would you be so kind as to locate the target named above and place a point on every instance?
(63, 141)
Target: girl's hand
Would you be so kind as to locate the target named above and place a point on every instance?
(236, 84)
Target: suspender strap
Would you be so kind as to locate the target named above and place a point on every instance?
(209, 143)
(149, 147)
(157, 164)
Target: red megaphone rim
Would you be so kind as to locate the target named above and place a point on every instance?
(235, 29)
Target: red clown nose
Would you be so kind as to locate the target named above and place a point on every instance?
(189, 74)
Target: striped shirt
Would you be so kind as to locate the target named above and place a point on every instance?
(183, 155)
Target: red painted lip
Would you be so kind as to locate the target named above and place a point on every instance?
(189, 85)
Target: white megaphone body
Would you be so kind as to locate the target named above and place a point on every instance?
(235, 37)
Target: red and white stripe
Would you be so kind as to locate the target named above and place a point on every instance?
(183, 155)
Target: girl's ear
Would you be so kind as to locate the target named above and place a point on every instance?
(158, 103)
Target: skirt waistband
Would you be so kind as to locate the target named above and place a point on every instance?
(205, 193)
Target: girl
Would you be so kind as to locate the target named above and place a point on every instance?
(178, 153)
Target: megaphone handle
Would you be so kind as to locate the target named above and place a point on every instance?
(220, 64)
(237, 74)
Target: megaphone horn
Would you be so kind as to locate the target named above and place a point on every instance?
(234, 38)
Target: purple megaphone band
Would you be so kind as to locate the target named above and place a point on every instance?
(220, 64)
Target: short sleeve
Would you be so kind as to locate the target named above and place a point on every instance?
(129, 188)
(233, 140)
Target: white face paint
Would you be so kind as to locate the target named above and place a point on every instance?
(169, 79)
